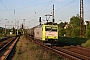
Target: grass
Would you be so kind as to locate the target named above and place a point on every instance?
(33, 47)
(1, 36)
(42, 54)
(17, 51)
(26, 50)
(87, 44)
(25, 56)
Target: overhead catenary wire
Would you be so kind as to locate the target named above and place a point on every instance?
(7, 9)
(10, 6)
(87, 11)
(28, 6)
(69, 4)
(34, 5)
(45, 3)
(65, 5)
(77, 13)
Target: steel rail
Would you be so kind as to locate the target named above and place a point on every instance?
(8, 48)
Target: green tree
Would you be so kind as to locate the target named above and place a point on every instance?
(13, 30)
(68, 31)
(75, 32)
(61, 28)
(75, 21)
(75, 26)
(1, 29)
(87, 34)
(62, 25)
(61, 32)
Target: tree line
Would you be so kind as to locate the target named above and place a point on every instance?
(72, 28)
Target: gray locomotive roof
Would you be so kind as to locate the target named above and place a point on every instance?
(38, 26)
(48, 23)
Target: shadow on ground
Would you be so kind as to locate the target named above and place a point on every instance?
(67, 41)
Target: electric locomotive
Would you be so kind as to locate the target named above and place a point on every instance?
(47, 33)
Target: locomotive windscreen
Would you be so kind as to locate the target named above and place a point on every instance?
(49, 28)
(54, 28)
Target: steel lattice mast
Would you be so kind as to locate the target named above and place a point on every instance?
(53, 14)
(81, 19)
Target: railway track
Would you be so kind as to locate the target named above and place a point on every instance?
(80, 50)
(76, 52)
(7, 46)
(5, 38)
(68, 52)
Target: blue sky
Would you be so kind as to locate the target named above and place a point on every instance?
(31, 10)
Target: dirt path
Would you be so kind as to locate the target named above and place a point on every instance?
(25, 50)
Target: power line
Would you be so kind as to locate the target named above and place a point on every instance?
(35, 5)
(28, 6)
(87, 11)
(9, 5)
(65, 5)
(77, 13)
(6, 8)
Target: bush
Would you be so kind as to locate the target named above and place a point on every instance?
(87, 44)
(87, 34)
(75, 32)
(61, 32)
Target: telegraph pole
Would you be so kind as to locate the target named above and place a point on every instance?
(23, 26)
(5, 30)
(81, 19)
(17, 26)
(15, 21)
(53, 14)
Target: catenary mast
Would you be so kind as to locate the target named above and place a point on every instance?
(81, 19)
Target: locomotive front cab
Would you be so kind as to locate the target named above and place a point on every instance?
(50, 33)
